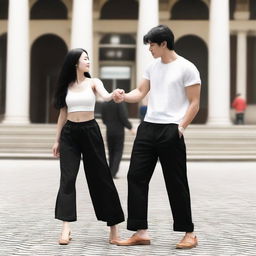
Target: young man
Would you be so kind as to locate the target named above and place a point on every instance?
(173, 84)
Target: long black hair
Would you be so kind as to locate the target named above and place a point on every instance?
(66, 76)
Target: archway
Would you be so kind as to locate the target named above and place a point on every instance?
(190, 10)
(49, 9)
(47, 55)
(120, 9)
(251, 64)
(194, 49)
(4, 9)
(252, 5)
(3, 54)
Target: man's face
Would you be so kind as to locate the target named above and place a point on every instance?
(156, 50)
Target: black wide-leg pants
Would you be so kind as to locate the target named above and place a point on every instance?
(161, 141)
(85, 138)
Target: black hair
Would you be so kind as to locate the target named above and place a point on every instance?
(160, 34)
(66, 76)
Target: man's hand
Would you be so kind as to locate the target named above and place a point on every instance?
(181, 131)
(118, 95)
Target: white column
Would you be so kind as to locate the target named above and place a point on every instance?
(17, 90)
(148, 18)
(241, 74)
(219, 64)
(82, 26)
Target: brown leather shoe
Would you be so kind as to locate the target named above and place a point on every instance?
(64, 241)
(134, 240)
(191, 243)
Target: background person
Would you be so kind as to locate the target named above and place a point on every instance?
(239, 104)
(115, 117)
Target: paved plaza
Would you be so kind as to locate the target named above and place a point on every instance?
(223, 204)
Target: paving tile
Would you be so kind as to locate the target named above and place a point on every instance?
(223, 205)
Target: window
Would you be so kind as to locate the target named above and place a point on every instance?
(117, 47)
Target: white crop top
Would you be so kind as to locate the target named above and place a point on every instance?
(81, 101)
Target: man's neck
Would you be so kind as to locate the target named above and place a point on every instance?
(169, 56)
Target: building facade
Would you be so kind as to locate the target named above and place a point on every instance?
(218, 36)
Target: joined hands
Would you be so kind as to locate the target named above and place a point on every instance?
(118, 95)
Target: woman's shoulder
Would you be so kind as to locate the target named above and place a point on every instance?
(96, 81)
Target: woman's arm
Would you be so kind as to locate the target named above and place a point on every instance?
(61, 121)
(100, 89)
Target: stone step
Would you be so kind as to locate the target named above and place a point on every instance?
(190, 157)
(203, 141)
(128, 149)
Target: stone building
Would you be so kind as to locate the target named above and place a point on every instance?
(219, 36)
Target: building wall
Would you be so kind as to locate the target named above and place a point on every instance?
(101, 27)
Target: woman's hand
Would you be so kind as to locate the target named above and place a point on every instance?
(118, 95)
(56, 149)
(133, 131)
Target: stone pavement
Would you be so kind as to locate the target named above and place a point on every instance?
(223, 204)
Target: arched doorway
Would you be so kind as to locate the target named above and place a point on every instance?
(47, 56)
(251, 64)
(4, 9)
(120, 9)
(3, 53)
(190, 10)
(48, 9)
(194, 49)
(252, 9)
(232, 8)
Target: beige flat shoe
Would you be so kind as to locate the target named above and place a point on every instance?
(64, 241)
(191, 243)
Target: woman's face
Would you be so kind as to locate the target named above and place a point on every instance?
(83, 64)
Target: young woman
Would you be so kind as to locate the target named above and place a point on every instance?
(78, 134)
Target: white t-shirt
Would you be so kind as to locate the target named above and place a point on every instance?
(167, 102)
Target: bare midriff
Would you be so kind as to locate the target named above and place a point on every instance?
(80, 116)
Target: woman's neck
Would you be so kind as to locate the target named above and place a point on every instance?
(80, 77)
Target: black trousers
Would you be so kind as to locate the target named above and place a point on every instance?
(239, 118)
(161, 141)
(85, 138)
(115, 150)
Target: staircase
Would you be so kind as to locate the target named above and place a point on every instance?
(204, 143)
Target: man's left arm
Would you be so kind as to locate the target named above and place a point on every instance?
(193, 95)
